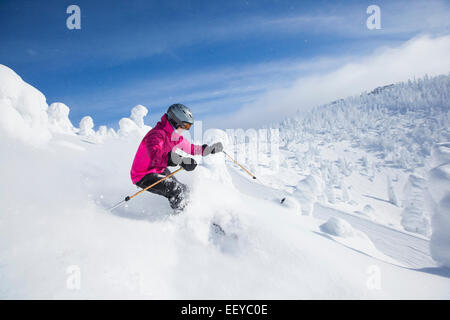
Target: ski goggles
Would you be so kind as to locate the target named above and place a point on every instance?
(186, 125)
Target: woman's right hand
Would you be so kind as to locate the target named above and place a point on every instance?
(212, 149)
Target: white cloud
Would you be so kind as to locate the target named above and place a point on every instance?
(415, 58)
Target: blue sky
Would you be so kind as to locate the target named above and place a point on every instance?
(217, 57)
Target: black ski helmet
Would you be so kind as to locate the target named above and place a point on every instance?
(180, 116)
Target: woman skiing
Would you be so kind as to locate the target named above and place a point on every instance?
(157, 151)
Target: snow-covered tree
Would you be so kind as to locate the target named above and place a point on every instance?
(307, 192)
(330, 194)
(400, 122)
(58, 118)
(86, 127)
(415, 217)
(127, 126)
(135, 123)
(439, 186)
(23, 110)
(344, 167)
(391, 192)
(102, 131)
(344, 192)
(137, 115)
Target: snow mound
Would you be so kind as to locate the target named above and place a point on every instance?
(338, 227)
(307, 192)
(341, 231)
(23, 109)
(367, 212)
(58, 116)
(439, 186)
(368, 209)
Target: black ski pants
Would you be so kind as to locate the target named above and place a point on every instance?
(171, 188)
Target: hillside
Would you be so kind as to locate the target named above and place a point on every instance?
(58, 182)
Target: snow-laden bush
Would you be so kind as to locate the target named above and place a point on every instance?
(127, 126)
(87, 127)
(439, 187)
(415, 217)
(135, 123)
(102, 131)
(137, 115)
(23, 109)
(58, 118)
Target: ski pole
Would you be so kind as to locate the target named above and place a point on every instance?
(251, 174)
(128, 198)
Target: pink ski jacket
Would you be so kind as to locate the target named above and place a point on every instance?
(153, 152)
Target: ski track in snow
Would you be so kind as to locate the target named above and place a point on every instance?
(412, 251)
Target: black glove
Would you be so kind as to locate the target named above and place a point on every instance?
(186, 163)
(215, 148)
(174, 159)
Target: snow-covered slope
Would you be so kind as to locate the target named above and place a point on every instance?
(54, 226)
(54, 216)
